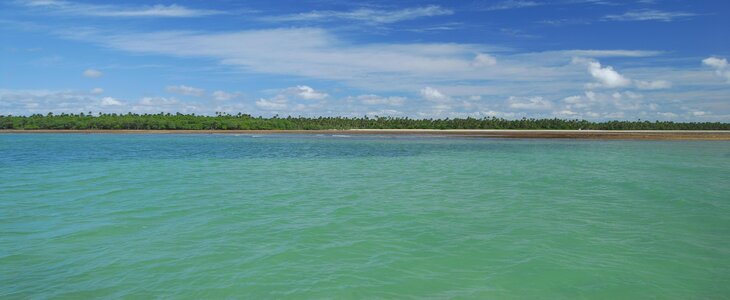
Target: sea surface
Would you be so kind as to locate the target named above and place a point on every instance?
(342, 217)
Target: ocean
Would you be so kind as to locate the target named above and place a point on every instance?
(342, 217)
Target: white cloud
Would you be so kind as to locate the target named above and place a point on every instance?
(566, 113)
(513, 4)
(315, 53)
(529, 103)
(91, 73)
(653, 85)
(615, 115)
(720, 65)
(572, 99)
(667, 114)
(590, 105)
(518, 4)
(626, 101)
(158, 104)
(24, 102)
(715, 62)
(286, 101)
(306, 92)
(633, 95)
(606, 76)
(612, 53)
(276, 103)
(483, 59)
(97, 10)
(186, 90)
(97, 91)
(607, 102)
(308, 52)
(155, 11)
(366, 15)
(378, 100)
(448, 69)
(222, 96)
(109, 101)
(649, 15)
(433, 95)
(158, 101)
(384, 113)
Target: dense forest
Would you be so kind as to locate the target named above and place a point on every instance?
(240, 121)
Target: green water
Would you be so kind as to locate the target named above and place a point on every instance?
(275, 216)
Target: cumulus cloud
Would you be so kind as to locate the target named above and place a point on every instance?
(158, 101)
(669, 115)
(608, 102)
(627, 100)
(97, 10)
(483, 59)
(720, 65)
(715, 62)
(384, 113)
(433, 95)
(572, 99)
(366, 15)
(306, 92)
(222, 96)
(566, 113)
(378, 100)
(606, 76)
(97, 91)
(289, 100)
(158, 104)
(276, 103)
(186, 90)
(23, 102)
(109, 101)
(529, 103)
(92, 73)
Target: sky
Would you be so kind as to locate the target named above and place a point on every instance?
(573, 59)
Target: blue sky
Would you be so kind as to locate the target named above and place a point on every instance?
(585, 59)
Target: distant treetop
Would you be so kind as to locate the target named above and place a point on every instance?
(240, 121)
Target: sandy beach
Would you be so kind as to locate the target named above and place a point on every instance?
(483, 133)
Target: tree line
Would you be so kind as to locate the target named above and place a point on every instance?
(240, 121)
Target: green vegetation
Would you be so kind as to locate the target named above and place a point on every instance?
(243, 121)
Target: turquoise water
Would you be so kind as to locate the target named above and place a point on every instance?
(276, 216)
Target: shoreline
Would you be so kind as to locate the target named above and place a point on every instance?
(721, 135)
